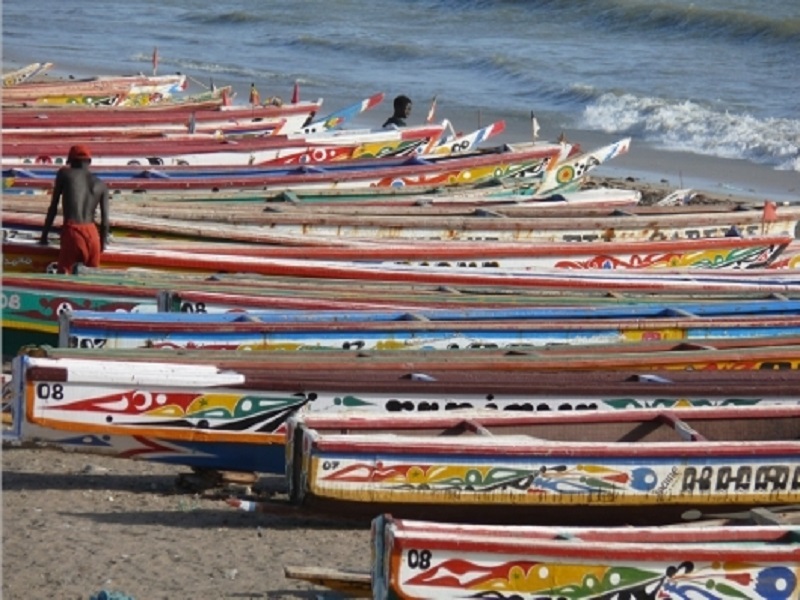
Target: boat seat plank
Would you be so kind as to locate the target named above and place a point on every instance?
(683, 429)
(354, 585)
(680, 312)
(765, 516)
(467, 425)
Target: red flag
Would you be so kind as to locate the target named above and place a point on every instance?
(432, 110)
(255, 98)
(226, 99)
(296, 93)
(155, 60)
(770, 212)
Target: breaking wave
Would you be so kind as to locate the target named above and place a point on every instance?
(692, 127)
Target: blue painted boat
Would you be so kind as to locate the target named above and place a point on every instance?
(401, 331)
(744, 308)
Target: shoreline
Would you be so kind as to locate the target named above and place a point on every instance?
(727, 179)
(723, 178)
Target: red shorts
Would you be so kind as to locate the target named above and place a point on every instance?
(80, 243)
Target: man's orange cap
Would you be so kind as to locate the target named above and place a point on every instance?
(79, 152)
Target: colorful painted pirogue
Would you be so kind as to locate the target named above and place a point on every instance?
(525, 159)
(209, 156)
(228, 411)
(622, 467)
(31, 124)
(85, 91)
(477, 227)
(26, 73)
(34, 302)
(167, 117)
(424, 559)
(418, 330)
(774, 353)
(481, 222)
(31, 258)
(447, 263)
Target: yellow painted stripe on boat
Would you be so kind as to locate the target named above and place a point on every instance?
(24, 326)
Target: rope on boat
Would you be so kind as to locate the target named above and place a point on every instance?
(198, 82)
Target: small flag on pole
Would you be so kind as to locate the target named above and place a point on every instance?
(296, 93)
(226, 99)
(770, 214)
(155, 60)
(534, 126)
(432, 111)
(255, 98)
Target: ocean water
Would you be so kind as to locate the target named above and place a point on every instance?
(713, 79)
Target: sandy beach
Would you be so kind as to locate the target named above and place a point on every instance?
(76, 524)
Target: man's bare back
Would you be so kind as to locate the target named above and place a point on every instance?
(81, 193)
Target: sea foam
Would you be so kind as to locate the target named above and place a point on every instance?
(689, 126)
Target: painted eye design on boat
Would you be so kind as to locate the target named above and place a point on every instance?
(565, 174)
(63, 307)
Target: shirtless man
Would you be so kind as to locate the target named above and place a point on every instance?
(82, 192)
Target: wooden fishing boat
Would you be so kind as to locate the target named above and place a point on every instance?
(529, 221)
(424, 559)
(218, 411)
(31, 309)
(447, 263)
(527, 195)
(187, 130)
(526, 224)
(29, 257)
(509, 192)
(119, 158)
(778, 353)
(455, 170)
(458, 143)
(623, 467)
(41, 92)
(523, 198)
(790, 259)
(482, 200)
(158, 117)
(422, 224)
(380, 144)
(544, 311)
(234, 289)
(26, 73)
(206, 299)
(110, 137)
(33, 302)
(238, 432)
(210, 99)
(423, 330)
(211, 157)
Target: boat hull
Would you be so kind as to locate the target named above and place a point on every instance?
(571, 469)
(424, 559)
